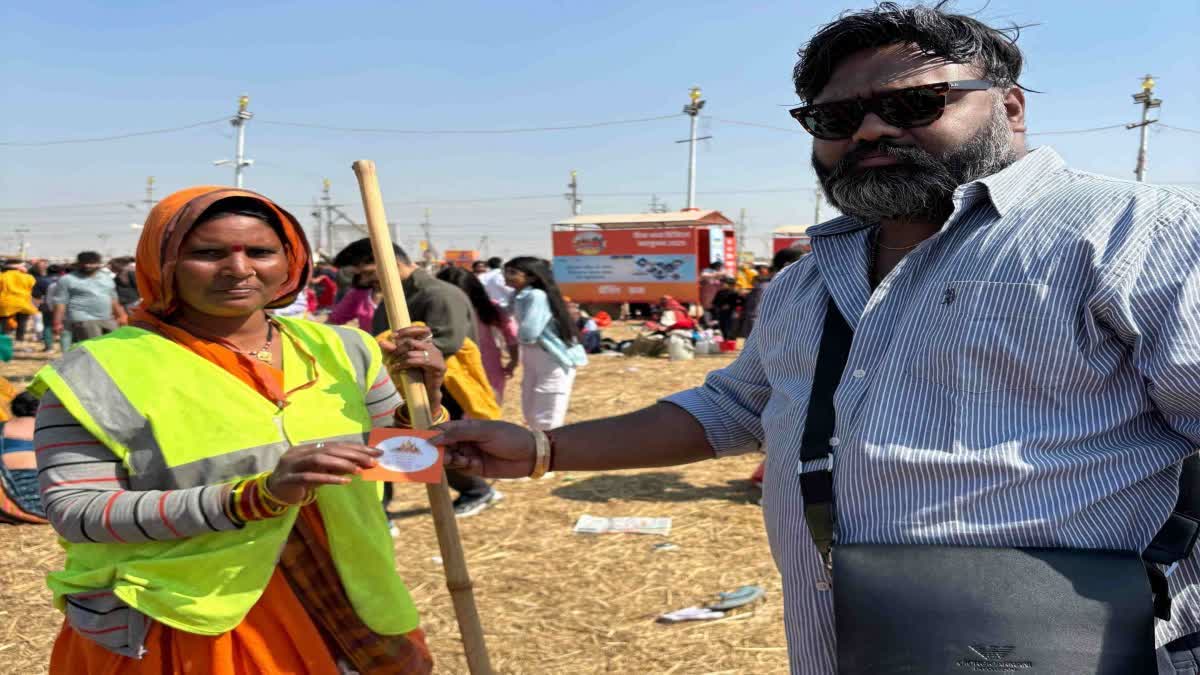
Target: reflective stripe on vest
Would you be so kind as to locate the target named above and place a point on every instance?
(180, 421)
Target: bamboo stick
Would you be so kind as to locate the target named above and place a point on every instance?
(458, 581)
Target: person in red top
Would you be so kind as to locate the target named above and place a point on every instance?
(326, 290)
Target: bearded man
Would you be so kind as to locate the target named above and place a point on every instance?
(1024, 372)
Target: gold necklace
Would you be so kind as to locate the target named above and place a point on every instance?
(263, 354)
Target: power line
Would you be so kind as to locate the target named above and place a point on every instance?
(61, 206)
(1189, 131)
(432, 132)
(758, 125)
(1065, 132)
(98, 139)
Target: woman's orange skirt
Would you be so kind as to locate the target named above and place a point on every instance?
(277, 636)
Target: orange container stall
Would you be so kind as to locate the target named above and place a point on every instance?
(640, 257)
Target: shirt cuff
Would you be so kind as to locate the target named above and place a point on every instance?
(724, 434)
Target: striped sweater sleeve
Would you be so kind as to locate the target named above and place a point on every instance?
(382, 400)
(85, 490)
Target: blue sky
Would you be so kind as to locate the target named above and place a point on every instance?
(73, 70)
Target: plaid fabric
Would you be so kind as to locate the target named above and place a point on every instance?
(310, 571)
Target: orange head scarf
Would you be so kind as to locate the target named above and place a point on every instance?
(169, 223)
(157, 254)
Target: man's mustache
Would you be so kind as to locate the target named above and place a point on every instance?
(904, 154)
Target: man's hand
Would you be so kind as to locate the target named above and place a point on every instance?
(306, 467)
(489, 449)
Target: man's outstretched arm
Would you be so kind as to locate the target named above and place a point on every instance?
(660, 435)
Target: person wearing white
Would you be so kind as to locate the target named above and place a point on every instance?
(494, 283)
(550, 348)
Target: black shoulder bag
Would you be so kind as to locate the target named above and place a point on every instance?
(932, 610)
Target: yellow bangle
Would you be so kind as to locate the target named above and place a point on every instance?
(274, 503)
(402, 421)
(541, 460)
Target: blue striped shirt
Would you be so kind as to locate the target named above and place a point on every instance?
(1027, 376)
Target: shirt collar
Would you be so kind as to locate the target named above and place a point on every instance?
(1022, 179)
(1005, 189)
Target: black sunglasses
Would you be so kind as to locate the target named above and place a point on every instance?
(905, 108)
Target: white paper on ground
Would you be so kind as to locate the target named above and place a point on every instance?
(691, 614)
(597, 525)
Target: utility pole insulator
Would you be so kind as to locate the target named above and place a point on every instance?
(573, 196)
(238, 122)
(1144, 98)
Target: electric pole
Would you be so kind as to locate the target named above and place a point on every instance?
(427, 228)
(693, 111)
(238, 121)
(320, 237)
(657, 206)
(1147, 101)
(21, 231)
(327, 225)
(573, 195)
(817, 208)
(149, 200)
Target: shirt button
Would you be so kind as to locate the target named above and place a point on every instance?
(834, 442)
(860, 373)
(822, 585)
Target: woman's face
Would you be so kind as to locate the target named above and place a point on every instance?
(515, 278)
(231, 266)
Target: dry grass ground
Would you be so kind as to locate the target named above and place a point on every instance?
(552, 602)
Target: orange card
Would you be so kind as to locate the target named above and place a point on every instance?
(408, 457)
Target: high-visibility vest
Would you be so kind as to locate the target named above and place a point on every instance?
(176, 420)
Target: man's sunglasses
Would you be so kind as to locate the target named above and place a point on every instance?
(905, 108)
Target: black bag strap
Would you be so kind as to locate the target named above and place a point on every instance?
(1176, 539)
(816, 485)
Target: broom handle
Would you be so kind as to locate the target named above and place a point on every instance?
(417, 399)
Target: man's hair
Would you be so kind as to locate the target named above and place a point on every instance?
(359, 253)
(784, 257)
(24, 405)
(955, 37)
(87, 258)
(495, 262)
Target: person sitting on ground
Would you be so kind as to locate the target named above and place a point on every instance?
(726, 305)
(19, 500)
(589, 331)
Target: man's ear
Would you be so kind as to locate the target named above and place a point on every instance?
(1014, 109)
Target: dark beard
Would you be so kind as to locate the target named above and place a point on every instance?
(920, 185)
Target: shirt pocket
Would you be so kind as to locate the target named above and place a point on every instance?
(987, 337)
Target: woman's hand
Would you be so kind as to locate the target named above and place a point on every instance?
(305, 467)
(412, 349)
(489, 449)
(510, 370)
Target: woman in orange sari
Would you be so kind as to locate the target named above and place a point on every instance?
(170, 546)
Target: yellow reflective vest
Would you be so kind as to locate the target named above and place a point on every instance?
(176, 420)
